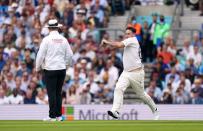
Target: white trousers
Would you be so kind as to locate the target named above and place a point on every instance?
(136, 81)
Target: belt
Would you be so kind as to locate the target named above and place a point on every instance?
(135, 70)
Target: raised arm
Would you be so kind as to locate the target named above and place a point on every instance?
(114, 44)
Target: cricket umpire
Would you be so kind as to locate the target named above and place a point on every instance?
(53, 57)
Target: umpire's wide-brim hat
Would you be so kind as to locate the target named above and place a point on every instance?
(53, 23)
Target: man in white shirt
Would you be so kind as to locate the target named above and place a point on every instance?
(195, 55)
(112, 73)
(54, 56)
(153, 87)
(14, 98)
(133, 74)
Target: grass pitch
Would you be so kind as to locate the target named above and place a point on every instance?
(102, 126)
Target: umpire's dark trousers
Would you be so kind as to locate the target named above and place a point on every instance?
(54, 80)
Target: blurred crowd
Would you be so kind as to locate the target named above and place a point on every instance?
(176, 76)
(92, 76)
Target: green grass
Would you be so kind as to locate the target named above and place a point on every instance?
(102, 126)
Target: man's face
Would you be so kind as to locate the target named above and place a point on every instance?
(129, 34)
(154, 18)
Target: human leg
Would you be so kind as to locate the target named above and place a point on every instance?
(137, 83)
(121, 86)
(60, 81)
(51, 82)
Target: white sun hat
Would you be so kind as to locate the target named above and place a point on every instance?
(194, 1)
(53, 23)
(14, 5)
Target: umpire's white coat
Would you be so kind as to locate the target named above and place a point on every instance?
(54, 53)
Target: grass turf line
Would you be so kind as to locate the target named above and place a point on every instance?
(101, 126)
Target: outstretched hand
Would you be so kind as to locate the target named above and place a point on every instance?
(103, 42)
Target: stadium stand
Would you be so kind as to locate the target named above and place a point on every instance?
(173, 60)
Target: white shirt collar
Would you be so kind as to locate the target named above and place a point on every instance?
(53, 32)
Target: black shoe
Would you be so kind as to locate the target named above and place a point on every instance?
(113, 114)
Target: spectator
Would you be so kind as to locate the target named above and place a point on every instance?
(2, 97)
(85, 96)
(23, 68)
(93, 86)
(15, 65)
(111, 72)
(161, 31)
(181, 97)
(18, 86)
(100, 94)
(6, 89)
(183, 80)
(92, 32)
(152, 26)
(10, 80)
(118, 7)
(155, 90)
(160, 67)
(196, 40)
(25, 81)
(94, 19)
(23, 40)
(91, 51)
(167, 98)
(138, 28)
(172, 48)
(201, 69)
(15, 98)
(9, 49)
(187, 48)
(104, 94)
(197, 92)
(41, 97)
(33, 86)
(167, 56)
(102, 3)
(145, 44)
(151, 93)
(76, 79)
(189, 74)
(173, 75)
(28, 60)
(117, 60)
(81, 10)
(72, 97)
(196, 56)
(98, 10)
(2, 61)
(29, 99)
(68, 16)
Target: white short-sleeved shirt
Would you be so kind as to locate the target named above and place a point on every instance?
(132, 54)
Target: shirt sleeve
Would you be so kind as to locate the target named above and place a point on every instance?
(41, 55)
(69, 54)
(130, 41)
